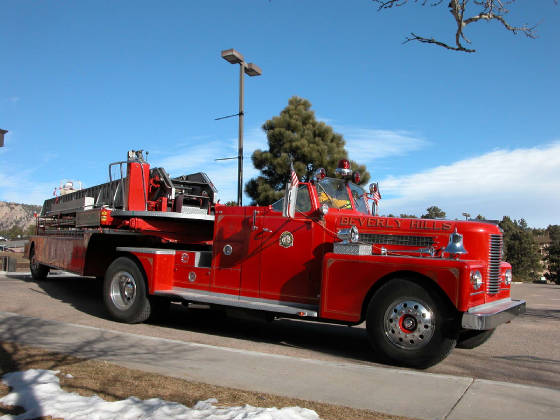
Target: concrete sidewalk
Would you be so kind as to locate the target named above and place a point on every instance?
(387, 390)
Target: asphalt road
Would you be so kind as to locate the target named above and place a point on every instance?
(525, 351)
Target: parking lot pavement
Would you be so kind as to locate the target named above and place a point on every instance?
(383, 389)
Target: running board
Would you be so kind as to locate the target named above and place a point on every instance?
(291, 308)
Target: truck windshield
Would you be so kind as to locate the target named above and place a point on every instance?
(333, 193)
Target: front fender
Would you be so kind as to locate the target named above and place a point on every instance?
(347, 279)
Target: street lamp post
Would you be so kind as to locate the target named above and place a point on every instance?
(2, 132)
(250, 69)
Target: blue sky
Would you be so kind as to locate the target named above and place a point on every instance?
(83, 82)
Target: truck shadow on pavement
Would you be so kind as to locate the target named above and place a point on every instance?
(85, 295)
(18, 332)
(312, 337)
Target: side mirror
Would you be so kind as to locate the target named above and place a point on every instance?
(290, 198)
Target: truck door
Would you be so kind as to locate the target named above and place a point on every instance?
(289, 269)
(229, 249)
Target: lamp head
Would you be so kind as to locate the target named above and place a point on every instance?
(232, 56)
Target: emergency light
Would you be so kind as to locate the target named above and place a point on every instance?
(344, 168)
(320, 174)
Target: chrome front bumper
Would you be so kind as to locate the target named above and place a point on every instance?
(490, 315)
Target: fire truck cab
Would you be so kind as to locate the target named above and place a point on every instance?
(422, 286)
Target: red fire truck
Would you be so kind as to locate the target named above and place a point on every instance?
(422, 286)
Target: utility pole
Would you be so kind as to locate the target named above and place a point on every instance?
(250, 69)
(2, 132)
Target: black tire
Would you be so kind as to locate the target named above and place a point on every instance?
(124, 292)
(407, 326)
(472, 339)
(38, 270)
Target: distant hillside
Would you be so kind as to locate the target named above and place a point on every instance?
(17, 215)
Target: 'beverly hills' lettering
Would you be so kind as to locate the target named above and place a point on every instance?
(393, 223)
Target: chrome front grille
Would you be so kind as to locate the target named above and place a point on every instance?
(408, 240)
(494, 259)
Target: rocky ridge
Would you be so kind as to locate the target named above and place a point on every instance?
(17, 215)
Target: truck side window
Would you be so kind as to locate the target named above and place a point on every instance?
(358, 195)
(303, 202)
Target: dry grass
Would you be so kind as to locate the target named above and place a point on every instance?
(112, 382)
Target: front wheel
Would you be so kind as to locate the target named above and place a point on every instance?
(407, 326)
(124, 292)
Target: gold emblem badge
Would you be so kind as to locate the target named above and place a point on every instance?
(286, 239)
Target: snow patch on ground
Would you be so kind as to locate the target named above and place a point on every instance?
(38, 392)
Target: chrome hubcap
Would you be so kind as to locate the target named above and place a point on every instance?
(123, 290)
(409, 324)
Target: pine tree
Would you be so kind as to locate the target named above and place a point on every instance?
(553, 253)
(520, 247)
(434, 212)
(296, 135)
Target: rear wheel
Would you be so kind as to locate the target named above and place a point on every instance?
(38, 270)
(472, 339)
(124, 292)
(407, 326)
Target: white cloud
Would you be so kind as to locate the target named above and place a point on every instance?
(19, 187)
(324, 119)
(376, 144)
(194, 158)
(521, 183)
(255, 138)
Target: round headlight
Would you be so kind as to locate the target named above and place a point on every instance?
(476, 279)
(508, 277)
(349, 234)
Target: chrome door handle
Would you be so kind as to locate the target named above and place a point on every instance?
(254, 227)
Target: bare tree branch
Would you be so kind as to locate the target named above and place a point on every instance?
(387, 4)
(529, 31)
(488, 10)
(415, 37)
